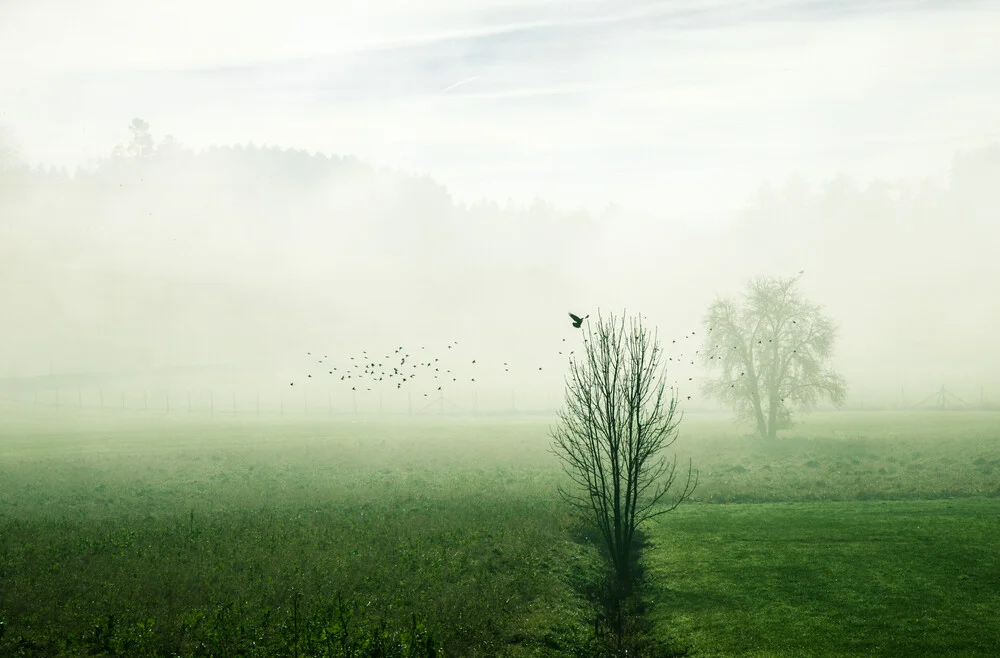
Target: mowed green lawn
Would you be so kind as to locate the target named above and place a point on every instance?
(159, 534)
(899, 578)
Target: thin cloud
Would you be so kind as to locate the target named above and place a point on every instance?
(460, 83)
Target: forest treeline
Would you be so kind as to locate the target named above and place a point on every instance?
(156, 234)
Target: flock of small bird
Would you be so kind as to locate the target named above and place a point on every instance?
(404, 368)
(400, 367)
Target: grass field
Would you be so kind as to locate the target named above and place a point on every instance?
(856, 534)
(904, 578)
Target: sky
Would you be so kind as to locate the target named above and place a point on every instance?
(672, 108)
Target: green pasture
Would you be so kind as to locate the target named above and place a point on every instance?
(133, 534)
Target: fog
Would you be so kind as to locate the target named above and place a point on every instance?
(333, 178)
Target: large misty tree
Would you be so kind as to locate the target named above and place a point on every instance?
(619, 419)
(769, 353)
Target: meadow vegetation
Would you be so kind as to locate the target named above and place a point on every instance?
(125, 534)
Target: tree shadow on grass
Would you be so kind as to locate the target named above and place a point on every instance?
(621, 626)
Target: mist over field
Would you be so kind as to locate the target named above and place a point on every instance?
(288, 363)
(394, 176)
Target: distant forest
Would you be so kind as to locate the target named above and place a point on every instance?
(155, 232)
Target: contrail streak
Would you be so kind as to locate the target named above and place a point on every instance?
(460, 83)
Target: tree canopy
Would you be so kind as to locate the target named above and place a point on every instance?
(769, 353)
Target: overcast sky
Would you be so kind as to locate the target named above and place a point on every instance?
(671, 107)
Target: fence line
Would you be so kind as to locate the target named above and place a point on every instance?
(253, 404)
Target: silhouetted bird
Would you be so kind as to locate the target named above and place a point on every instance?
(577, 320)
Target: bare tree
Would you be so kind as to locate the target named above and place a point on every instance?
(617, 421)
(770, 353)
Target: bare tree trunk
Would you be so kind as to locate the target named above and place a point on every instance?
(772, 417)
(758, 410)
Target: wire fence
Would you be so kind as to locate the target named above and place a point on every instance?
(245, 405)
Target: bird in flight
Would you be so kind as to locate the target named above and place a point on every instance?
(577, 320)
